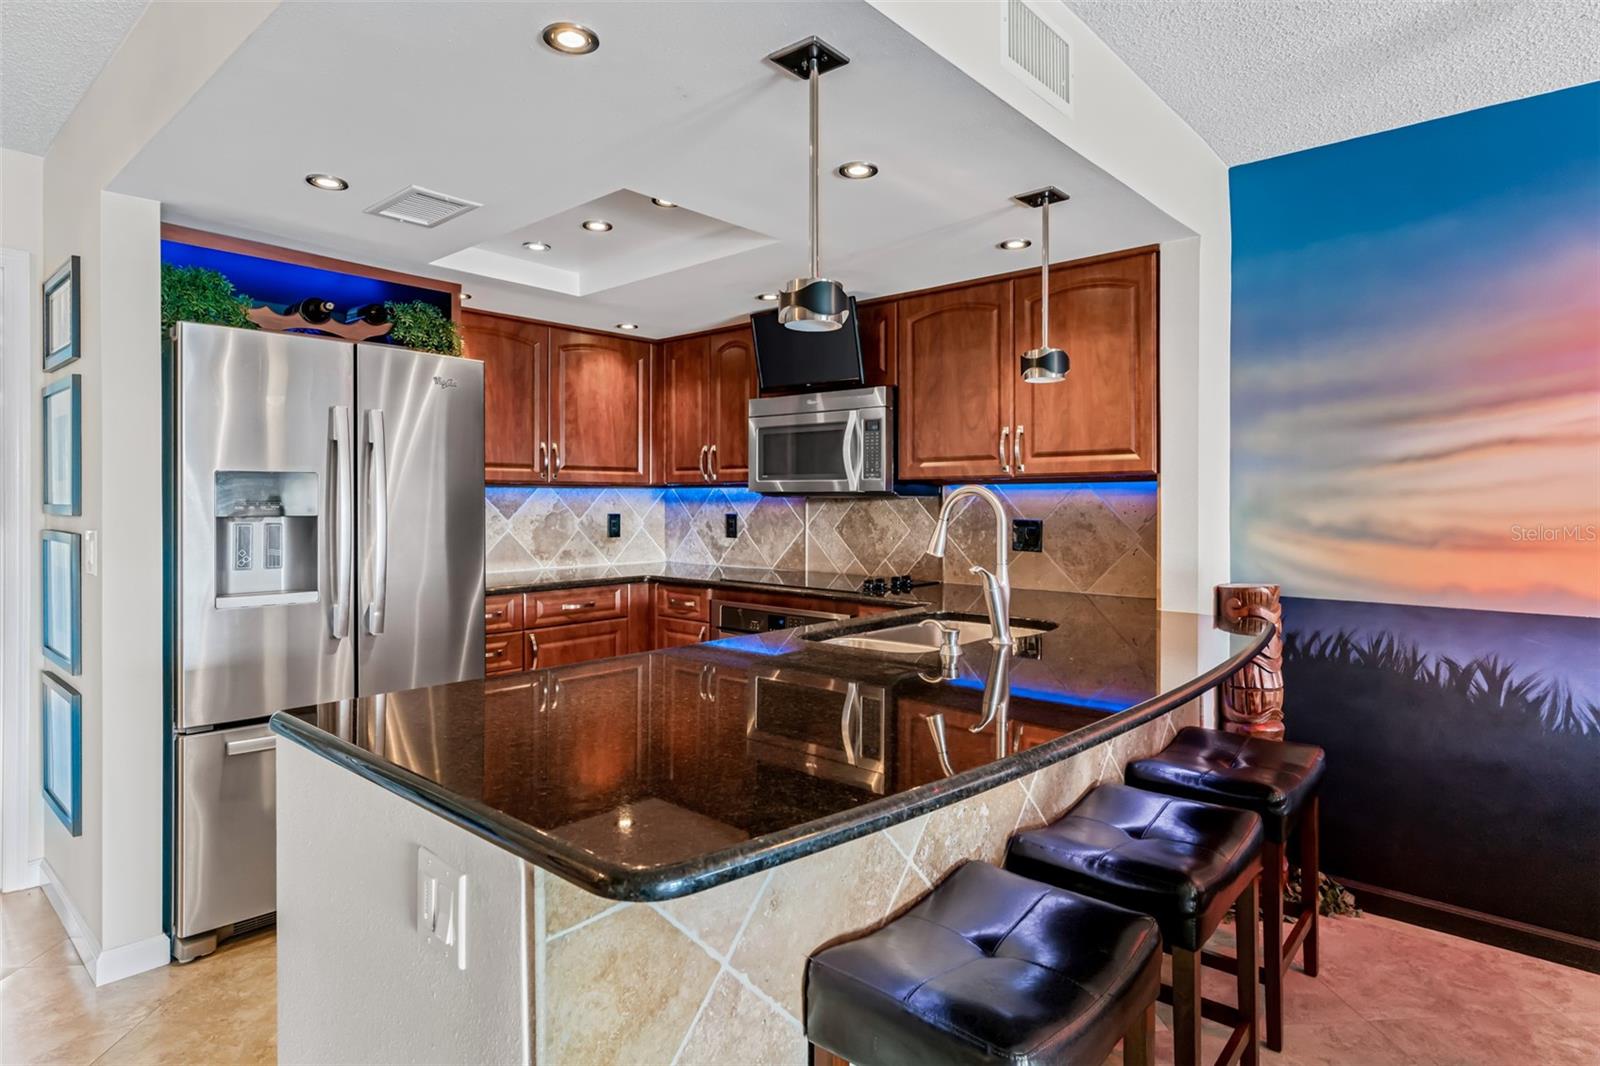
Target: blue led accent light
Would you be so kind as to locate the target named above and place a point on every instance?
(1052, 696)
(267, 281)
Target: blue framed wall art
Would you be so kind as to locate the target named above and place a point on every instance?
(61, 634)
(62, 710)
(62, 316)
(61, 407)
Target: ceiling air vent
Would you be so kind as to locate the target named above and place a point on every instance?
(1037, 53)
(421, 207)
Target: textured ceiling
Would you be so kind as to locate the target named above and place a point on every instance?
(1258, 79)
(50, 52)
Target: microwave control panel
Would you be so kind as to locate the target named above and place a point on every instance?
(872, 447)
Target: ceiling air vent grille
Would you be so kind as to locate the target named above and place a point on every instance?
(1036, 52)
(421, 207)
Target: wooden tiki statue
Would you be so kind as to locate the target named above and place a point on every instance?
(1252, 698)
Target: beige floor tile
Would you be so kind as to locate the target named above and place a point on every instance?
(28, 927)
(1496, 1040)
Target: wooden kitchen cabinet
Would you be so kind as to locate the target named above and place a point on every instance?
(964, 410)
(600, 392)
(878, 328)
(958, 364)
(575, 643)
(707, 383)
(515, 355)
(677, 632)
(1102, 418)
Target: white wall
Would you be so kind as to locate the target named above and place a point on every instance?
(110, 878)
(21, 232)
(1121, 126)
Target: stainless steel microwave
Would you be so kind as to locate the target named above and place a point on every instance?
(838, 442)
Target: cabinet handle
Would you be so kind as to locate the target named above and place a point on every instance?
(680, 605)
(544, 462)
(576, 606)
(533, 647)
(1016, 448)
(711, 462)
(704, 475)
(555, 454)
(498, 653)
(1005, 439)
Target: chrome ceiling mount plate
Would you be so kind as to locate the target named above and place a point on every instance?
(1040, 197)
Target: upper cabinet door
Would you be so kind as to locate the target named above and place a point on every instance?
(599, 409)
(732, 384)
(957, 369)
(685, 431)
(878, 337)
(515, 357)
(1102, 418)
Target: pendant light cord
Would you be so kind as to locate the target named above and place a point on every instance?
(816, 164)
(1044, 279)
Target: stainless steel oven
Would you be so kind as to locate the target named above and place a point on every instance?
(823, 442)
(824, 726)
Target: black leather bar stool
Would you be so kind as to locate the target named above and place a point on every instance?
(1277, 781)
(989, 967)
(1183, 863)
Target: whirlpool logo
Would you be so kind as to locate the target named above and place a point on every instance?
(444, 383)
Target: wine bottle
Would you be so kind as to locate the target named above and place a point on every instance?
(372, 314)
(313, 309)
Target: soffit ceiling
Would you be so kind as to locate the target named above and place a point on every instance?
(50, 53)
(1258, 79)
(677, 103)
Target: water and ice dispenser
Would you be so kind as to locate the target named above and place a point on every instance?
(266, 540)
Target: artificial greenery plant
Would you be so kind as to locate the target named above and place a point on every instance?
(197, 294)
(422, 326)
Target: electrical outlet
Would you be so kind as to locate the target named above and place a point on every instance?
(613, 525)
(442, 907)
(1027, 534)
(730, 525)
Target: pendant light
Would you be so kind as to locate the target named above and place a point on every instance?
(814, 303)
(1044, 365)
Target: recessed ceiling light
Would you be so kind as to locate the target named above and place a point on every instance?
(571, 38)
(1015, 244)
(627, 325)
(768, 296)
(327, 182)
(659, 202)
(596, 225)
(536, 246)
(857, 170)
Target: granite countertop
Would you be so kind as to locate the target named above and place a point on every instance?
(655, 775)
(811, 582)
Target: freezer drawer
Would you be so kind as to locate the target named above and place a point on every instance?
(226, 839)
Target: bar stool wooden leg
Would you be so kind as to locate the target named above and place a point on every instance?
(1272, 938)
(1139, 1045)
(1186, 1007)
(1249, 969)
(1310, 870)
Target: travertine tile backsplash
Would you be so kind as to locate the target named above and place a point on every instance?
(1097, 538)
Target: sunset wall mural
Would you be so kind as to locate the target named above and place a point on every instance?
(1416, 363)
(1416, 461)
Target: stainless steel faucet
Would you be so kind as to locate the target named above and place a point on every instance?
(996, 585)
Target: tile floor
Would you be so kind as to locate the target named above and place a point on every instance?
(1389, 994)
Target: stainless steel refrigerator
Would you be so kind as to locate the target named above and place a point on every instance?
(325, 524)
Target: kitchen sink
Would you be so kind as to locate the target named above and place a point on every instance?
(916, 638)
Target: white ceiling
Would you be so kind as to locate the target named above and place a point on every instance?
(1259, 79)
(677, 103)
(50, 53)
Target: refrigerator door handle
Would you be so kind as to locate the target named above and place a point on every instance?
(378, 516)
(341, 545)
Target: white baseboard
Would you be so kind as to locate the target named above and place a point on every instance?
(32, 876)
(103, 966)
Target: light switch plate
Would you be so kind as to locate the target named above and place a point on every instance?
(442, 906)
(91, 552)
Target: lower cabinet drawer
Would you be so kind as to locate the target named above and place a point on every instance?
(564, 606)
(503, 654)
(675, 601)
(561, 645)
(502, 614)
